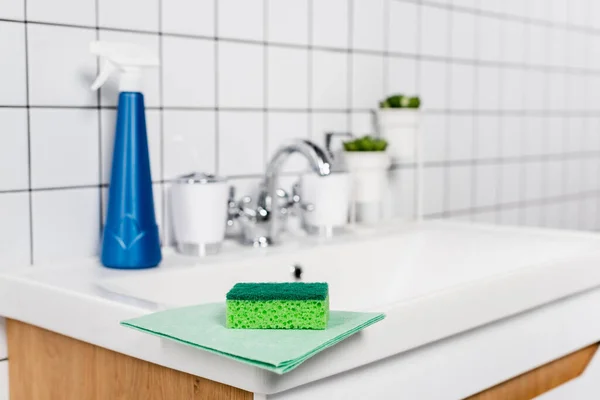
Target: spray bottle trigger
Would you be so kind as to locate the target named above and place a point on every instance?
(105, 71)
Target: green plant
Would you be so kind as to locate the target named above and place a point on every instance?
(366, 143)
(400, 101)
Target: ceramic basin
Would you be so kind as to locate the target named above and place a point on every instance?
(365, 272)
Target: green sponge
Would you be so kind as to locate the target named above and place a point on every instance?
(290, 305)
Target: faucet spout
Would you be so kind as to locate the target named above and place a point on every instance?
(318, 158)
(320, 163)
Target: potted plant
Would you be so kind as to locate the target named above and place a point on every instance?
(367, 161)
(398, 123)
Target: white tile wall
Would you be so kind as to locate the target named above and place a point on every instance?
(510, 93)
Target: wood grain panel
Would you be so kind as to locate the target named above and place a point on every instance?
(47, 366)
(540, 380)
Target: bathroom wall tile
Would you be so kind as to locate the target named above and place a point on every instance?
(321, 123)
(557, 52)
(556, 90)
(401, 75)
(61, 68)
(512, 95)
(330, 23)
(109, 93)
(241, 19)
(64, 148)
(434, 191)
(554, 179)
(125, 14)
(282, 129)
(513, 45)
(287, 78)
(588, 214)
(572, 214)
(533, 216)
(403, 27)
(14, 159)
(510, 217)
(533, 135)
(594, 11)
(367, 80)
(368, 24)
(12, 67)
(488, 88)
(532, 181)
(13, 9)
(539, 10)
(329, 80)
(74, 12)
(590, 169)
(14, 230)
(434, 132)
(189, 142)
(287, 21)
(76, 213)
(470, 4)
(577, 135)
(486, 217)
(577, 49)
(489, 39)
(559, 10)
(576, 98)
(486, 185)
(240, 148)
(487, 137)
(573, 178)
(537, 44)
(363, 123)
(554, 216)
(555, 135)
(535, 90)
(460, 137)
(463, 35)
(512, 136)
(240, 85)
(188, 72)
(459, 187)
(432, 84)
(188, 17)
(434, 31)
(462, 79)
(510, 183)
(153, 131)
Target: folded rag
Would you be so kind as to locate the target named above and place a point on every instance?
(276, 350)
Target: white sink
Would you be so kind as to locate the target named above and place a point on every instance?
(373, 272)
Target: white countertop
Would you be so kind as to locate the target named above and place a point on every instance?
(440, 279)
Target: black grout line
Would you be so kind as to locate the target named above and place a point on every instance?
(265, 77)
(499, 112)
(4, 359)
(416, 56)
(30, 196)
(350, 65)
(161, 116)
(216, 87)
(99, 113)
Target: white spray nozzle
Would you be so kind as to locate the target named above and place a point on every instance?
(128, 58)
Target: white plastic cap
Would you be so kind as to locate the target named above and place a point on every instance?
(128, 58)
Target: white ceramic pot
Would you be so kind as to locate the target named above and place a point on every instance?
(369, 179)
(400, 127)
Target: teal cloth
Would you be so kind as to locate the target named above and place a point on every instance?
(276, 350)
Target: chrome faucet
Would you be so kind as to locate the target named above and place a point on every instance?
(263, 218)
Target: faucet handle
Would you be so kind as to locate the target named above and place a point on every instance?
(295, 201)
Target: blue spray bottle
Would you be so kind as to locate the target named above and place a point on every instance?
(130, 239)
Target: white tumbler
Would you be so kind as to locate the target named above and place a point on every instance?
(199, 213)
